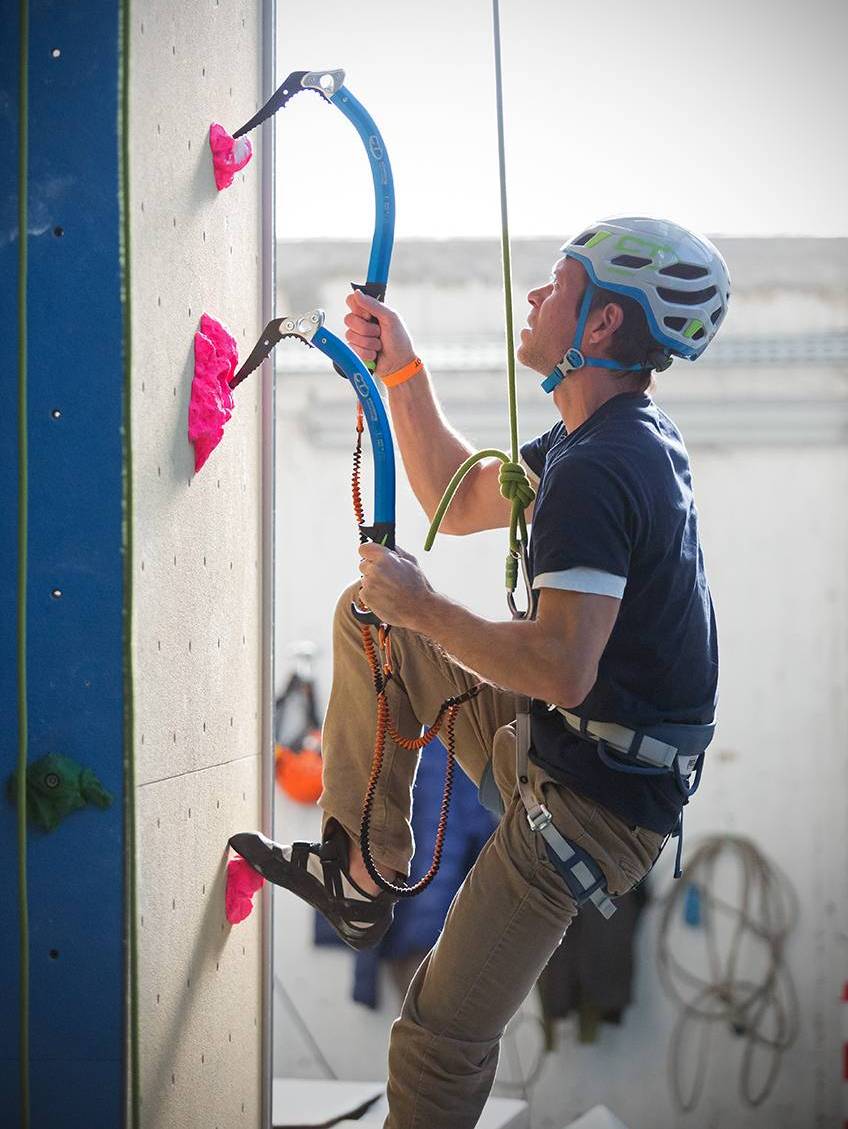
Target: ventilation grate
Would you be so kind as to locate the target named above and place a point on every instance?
(686, 297)
(716, 315)
(634, 261)
(685, 270)
(582, 239)
(675, 323)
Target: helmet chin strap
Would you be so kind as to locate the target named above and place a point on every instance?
(574, 358)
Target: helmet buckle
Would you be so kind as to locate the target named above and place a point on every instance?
(574, 358)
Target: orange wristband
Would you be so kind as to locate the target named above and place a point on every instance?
(401, 375)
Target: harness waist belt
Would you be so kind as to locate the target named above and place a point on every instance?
(647, 745)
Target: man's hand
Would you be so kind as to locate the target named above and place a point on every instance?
(393, 586)
(376, 333)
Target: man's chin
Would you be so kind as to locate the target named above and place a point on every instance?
(526, 359)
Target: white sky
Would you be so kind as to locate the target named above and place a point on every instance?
(728, 116)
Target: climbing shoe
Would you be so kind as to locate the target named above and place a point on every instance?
(319, 873)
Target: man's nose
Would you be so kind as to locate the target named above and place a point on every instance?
(537, 296)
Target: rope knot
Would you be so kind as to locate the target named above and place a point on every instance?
(515, 485)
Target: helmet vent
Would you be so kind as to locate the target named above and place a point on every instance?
(635, 261)
(698, 334)
(686, 297)
(685, 270)
(675, 323)
(717, 314)
(582, 239)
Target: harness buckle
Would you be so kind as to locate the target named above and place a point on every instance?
(539, 818)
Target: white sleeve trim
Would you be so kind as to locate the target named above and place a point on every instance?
(531, 474)
(592, 580)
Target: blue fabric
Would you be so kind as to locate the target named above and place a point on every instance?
(616, 495)
(418, 921)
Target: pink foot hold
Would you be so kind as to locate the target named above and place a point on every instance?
(211, 403)
(242, 884)
(229, 154)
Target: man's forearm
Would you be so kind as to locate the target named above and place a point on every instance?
(512, 654)
(430, 448)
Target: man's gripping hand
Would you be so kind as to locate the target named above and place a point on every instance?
(376, 333)
(393, 586)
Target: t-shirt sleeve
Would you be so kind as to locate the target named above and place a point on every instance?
(534, 453)
(583, 530)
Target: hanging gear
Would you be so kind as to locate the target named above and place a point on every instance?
(298, 764)
(680, 280)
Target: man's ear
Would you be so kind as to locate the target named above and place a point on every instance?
(605, 322)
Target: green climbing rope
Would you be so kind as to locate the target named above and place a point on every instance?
(23, 539)
(514, 484)
(130, 876)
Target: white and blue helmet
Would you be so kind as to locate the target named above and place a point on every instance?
(680, 280)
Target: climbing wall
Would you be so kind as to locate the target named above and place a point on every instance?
(196, 566)
(134, 595)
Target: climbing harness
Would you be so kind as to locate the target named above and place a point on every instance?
(655, 750)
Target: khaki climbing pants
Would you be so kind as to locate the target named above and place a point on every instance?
(513, 908)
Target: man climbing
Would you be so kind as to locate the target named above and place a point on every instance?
(620, 660)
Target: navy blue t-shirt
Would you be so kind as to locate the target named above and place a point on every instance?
(615, 515)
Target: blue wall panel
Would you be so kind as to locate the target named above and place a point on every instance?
(76, 874)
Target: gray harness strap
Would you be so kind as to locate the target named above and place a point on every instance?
(660, 746)
(583, 876)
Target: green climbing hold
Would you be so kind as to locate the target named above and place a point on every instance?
(56, 786)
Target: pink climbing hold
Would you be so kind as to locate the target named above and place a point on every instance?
(242, 884)
(229, 154)
(211, 403)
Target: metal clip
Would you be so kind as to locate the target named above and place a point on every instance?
(540, 818)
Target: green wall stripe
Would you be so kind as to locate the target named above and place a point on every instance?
(23, 568)
(133, 1066)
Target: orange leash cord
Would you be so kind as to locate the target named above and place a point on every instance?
(381, 673)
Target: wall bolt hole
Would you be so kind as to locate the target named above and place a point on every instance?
(54, 954)
(56, 414)
(56, 53)
(56, 593)
(58, 231)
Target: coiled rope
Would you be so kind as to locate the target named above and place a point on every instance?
(731, 937)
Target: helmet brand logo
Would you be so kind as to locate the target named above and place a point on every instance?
(361, 387)
(633, 243)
